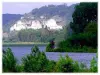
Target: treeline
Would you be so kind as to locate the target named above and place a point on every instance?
(37, 61)
(52, 10)
(84, 27)
(40, 35)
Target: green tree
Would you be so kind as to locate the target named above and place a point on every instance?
(91, 28)
(9, 61)
(83, 14)
(66, 65)
(94, 65)
(35, 61)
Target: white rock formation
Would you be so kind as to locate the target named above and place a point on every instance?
(35, 24)
(52, 24)
(18, 26)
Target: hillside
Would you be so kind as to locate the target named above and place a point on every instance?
(52, 10)
(47, 22)
(9, 20)
(51, 16)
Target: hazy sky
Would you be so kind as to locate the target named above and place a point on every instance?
(23, 7)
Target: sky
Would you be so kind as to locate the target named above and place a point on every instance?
(25, 7)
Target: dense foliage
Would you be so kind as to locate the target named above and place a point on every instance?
(52, 10)
(84, 26)
(67, 64)
(91, 28)
(82, 39)
(9, 61)
(83, 14)
(40, 35)
(94, 65)
(37, 61)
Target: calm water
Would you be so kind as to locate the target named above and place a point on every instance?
(21, 51)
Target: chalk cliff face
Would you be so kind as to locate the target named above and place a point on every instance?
(51, 17)
(33, 23)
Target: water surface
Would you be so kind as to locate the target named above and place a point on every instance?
(21, 51)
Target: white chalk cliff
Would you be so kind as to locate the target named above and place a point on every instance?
(35, 24)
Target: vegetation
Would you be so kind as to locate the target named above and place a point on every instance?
(84, 39)
(67, 65)
(94, 65)
(54, 10)
(37, 61)
(84, 26)
(50, 11)
(40, 35)
(84, 13)
(35, 57)
(84, 49)
(80, 40)
(9, 61)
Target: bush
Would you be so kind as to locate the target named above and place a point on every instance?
(48, 48)
(19, 68)
(91, 27)
(80, 42)
(84, 39)
(9, 61)
(66, 65)
(35, 61)
(50, 66)
(93, 66)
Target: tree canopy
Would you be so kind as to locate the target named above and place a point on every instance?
(83, 14)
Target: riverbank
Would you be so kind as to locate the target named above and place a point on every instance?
(23, 43)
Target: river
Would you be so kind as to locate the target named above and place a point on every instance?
(21, 51)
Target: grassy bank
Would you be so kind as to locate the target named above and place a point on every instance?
(83, 49)
(22, 43)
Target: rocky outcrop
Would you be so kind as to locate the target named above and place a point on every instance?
(29, 21)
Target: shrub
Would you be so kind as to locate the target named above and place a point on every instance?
(83, 68)
(64, 44)
(48, 48)
(19, 68)
(36, 61)
(93, 66)
(84, 39)
(91, 27)
(50, 66)
(79, 41)
(66, 65)
(9, 61)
